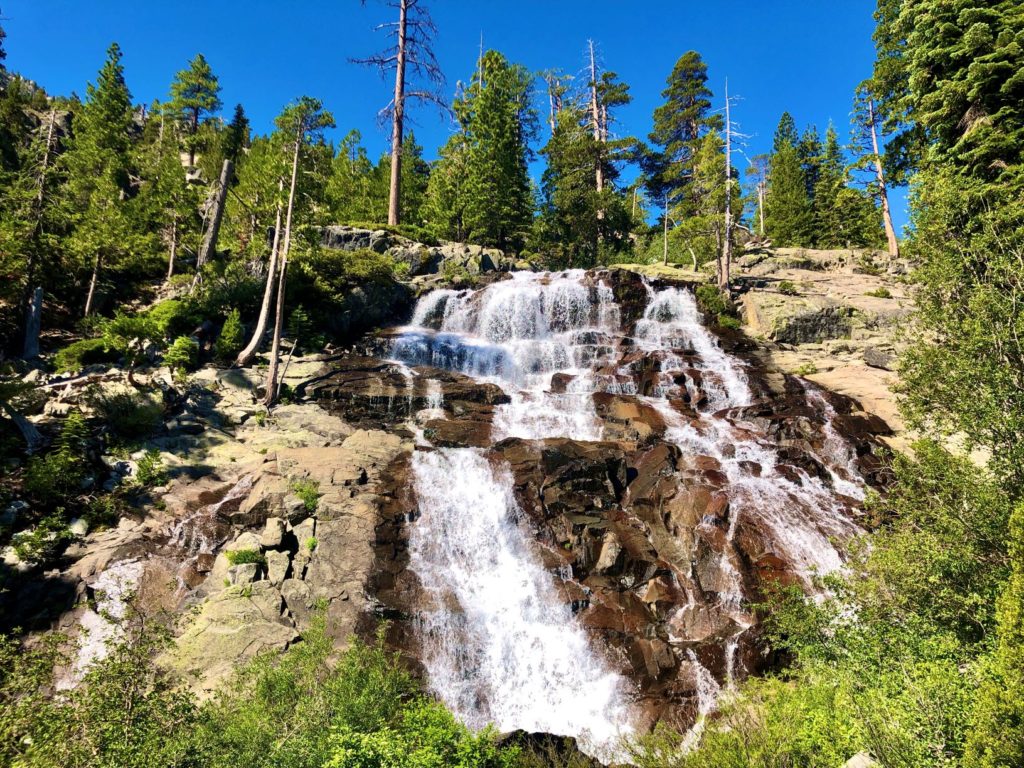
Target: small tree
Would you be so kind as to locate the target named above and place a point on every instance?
(231, 338)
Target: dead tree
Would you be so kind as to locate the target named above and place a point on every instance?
(866, 131)
(215, 214)
(246, 355)
(725, 262)
(411, 56)
(32, 301)
(275, 351)
(595, 119)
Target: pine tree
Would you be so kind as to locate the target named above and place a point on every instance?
(809, 149)
(789, 219)
(679, 125)
(357, 191)
(194, 93)
(236, 135)
(445, 205)
(99, 165)
(498, 123)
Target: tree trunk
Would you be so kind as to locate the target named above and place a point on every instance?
(760, 207)
(192, 138)
(664, 254)
(28, 430)
(92, 284)
(216, 212)
(883, 195)
(30, 306)
(246, 355)
(394, 199)
(726, 261)
(33, 323)
(275, 351)
(595, 118)
(174, 247)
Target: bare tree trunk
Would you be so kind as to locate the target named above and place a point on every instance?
(883, 195)
(28, 430)
(664, 248)
(33, 323)
(394, 198)
(726, 261)
(97, 263)
(760, 207)
(246, 355)
(595, 116)
(218, 197)
(30, 306)
(174, 247)
(275, 350)
(192, 138)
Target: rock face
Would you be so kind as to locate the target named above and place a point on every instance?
(421, 259)
(661, 532)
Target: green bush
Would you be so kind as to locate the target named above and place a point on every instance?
(129, 415)
(880, 293)
(231, 339)
(244, 556)
(182, 355)
(309, 491)
(174, 317)
(728, 321)
(711, 300)
(45, 541)
(79, 354)
(59, 474)
(150, 470)
(787, 288)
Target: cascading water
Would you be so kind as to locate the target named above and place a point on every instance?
(510, 652)
(500, 641)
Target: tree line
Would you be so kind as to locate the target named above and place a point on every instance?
(101, 196)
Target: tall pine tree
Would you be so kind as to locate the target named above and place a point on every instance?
(789, 217)
(195, 93)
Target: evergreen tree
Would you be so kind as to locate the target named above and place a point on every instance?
(789, 219)
(497, 123)
(99, 168)
(194, 93)
(357, 191)
(679, 125)
(445, 204)
(236, 135)
(809, 149)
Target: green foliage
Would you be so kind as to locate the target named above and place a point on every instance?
(789, 215)
(79, 354)
(130, 415)
(483, 190)
(45, 540)
(150, 471)
(182, 355)
(880, 293)
(308, 490)
(787, 288)
(243, 556)
(127, 335)
(59, 474)
(173, 317)
(194, 93)
(311, 543)
(231, 339)
(711, 300)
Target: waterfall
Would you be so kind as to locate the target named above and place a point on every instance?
(514, 655)
(500, 643)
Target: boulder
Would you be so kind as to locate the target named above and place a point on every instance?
(277, 566)
(273, 533)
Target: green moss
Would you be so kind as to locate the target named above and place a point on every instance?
(79, 354)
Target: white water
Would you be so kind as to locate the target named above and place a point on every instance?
(500, 643)
(514, 655)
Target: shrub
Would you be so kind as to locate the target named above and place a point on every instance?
(243, 556)
(711, 300)
(300, 327)
(880, 293)
(60, 473)
(45, 541)
(129, 415)
(182, 355)
(173, 317)
(231, 339)
(127, 334)
(787, 288)
(728, 321)
(806, 369)
(311, 543)
(150, 470)
(79, 354)
(308, 491)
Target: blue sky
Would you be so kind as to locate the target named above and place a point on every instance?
(804, 56)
